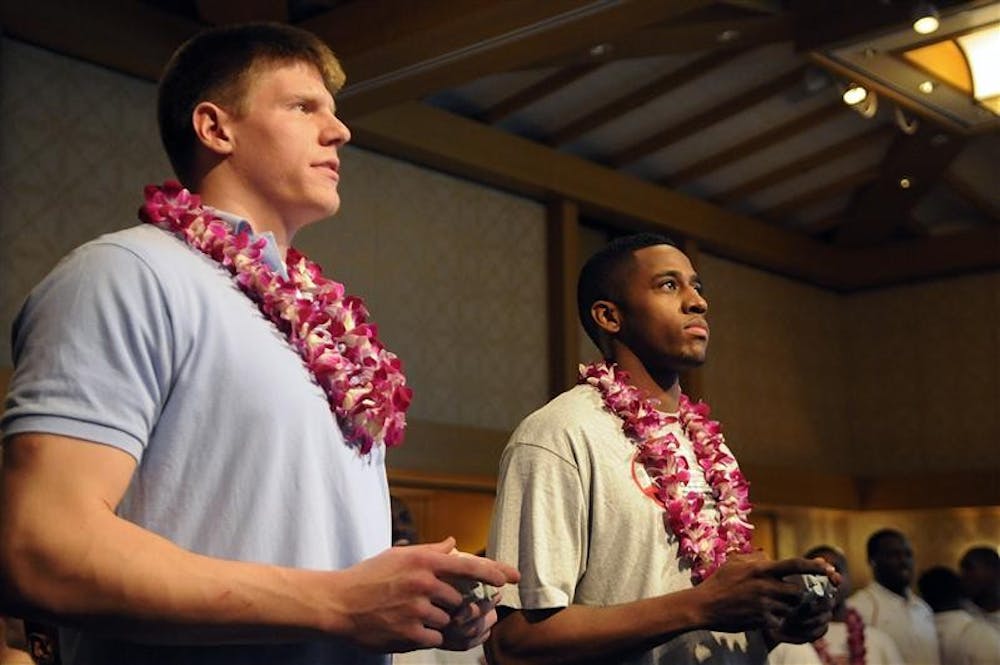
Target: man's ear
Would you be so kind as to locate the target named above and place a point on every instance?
(211, 125)
(607, 316)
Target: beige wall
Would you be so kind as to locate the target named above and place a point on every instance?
(777, 372)
(924, 389)
(938, 537)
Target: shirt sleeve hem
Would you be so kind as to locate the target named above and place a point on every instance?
(76, 429)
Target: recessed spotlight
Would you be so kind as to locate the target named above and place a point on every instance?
(926, 87)
(905, 182)
(855, 94)
(925, 18)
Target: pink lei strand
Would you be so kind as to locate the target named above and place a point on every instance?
(856, 652)
(364, 382)
(705, 537)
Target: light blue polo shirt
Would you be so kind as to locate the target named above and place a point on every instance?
(138, 342)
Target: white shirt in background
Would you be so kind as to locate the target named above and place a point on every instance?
(908, 621)
(879, 648)
(967, 639)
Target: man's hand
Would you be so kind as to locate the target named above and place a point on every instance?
(806, 623)
(405, 598)
(471, 626)
(810, 620)
(749, 592)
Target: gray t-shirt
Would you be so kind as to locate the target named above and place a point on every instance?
(137, 342)
(572, 516)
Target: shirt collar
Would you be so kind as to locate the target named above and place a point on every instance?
(271, 256)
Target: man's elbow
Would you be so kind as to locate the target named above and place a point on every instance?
(28, 576)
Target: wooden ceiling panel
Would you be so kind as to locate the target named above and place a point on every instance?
(751, 145)
(642, 95)
(911, 167)
(547, 86)
(706, 118)
(804, 164)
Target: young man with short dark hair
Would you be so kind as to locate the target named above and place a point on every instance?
(621, 505)
(889, 604)
(980, 567)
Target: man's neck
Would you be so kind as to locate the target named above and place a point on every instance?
(213, 193)
(663, 386)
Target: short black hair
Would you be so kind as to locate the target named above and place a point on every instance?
(982, 555)
(941, 588)
(819, 550)
(875, 540)
(602, 275)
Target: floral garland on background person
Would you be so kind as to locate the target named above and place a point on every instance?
(705, 537)
(363, 381)
(856, 651)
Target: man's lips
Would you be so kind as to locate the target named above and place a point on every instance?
(331, 168)
(698, 329)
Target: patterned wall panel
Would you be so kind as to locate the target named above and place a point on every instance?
(777, 373)
(454, 274)
(78, 144)
(925, 379)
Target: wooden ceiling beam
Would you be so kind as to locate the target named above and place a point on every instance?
(706, 118)
(692, 37)
(933, 256)
(822, 225)
(921, 159)
(470, 149)
(394, 54)
(533, 93)
(641, 96)
(804, 164)
(129, 37)
(819, 194)
(973, 197)
(223, 12)
(746, 148)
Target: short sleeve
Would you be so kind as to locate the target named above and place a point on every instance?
(92, 351)
(539, 526)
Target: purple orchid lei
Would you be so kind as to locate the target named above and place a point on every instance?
(705, 537)
(363, 381)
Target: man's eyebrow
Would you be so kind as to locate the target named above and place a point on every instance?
(693, 277)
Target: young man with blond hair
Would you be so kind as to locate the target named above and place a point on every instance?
(195, 432)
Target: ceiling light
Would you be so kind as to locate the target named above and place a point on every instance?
(861, 99)
(855, 94)
(982, 51)
(905, 182)
(926, 87)
(925, 18)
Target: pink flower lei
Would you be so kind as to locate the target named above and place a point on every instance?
(705, 537)
(363, 381)
(856, 652)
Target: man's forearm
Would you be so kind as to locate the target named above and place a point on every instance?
(581, 634)
(113, 577)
